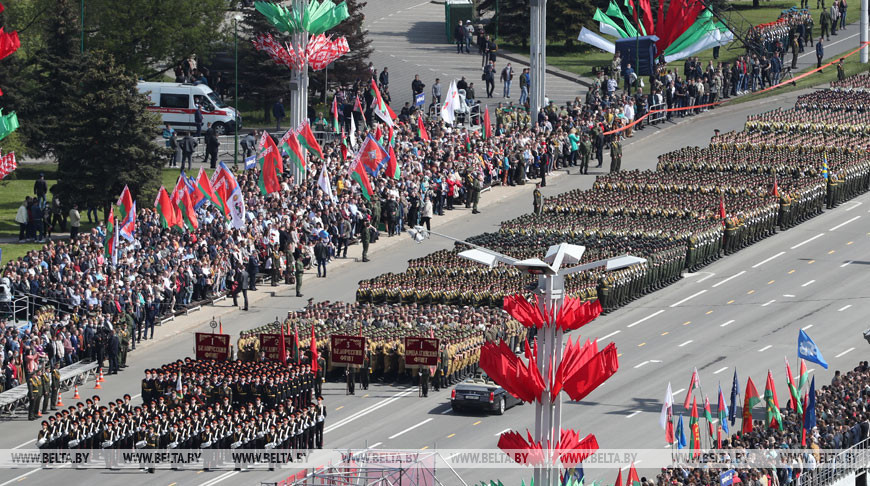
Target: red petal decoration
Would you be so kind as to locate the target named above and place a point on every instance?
(523, 311)
(575, 314)
(584, 378)
(9, 43)
(505, 368)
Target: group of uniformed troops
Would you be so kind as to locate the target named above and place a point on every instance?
(461, 331)
(200, 404)
(42, 388)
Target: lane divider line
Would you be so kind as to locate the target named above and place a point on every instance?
(806, 327)
(685, 343)
(729, 278)
(807, 241)
(720, 370)
(688, 298)
(844, 223)
(726, 323)
(765, 348)
(769, 259)
(808, 283)
(410, 428)
(844, 353)
(841, 309)
(771, 301)
(648, 317)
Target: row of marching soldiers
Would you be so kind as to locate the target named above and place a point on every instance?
(189, 423)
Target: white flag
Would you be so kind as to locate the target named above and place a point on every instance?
(451, 103)
(323, 182)
(352, 134)
(667, 408)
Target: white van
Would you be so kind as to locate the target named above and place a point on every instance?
(176, 103)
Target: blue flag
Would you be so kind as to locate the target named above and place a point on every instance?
(825, 173)
(680, 434)
(735, 392)
(810, 412)
(250, 162)
(808, 350)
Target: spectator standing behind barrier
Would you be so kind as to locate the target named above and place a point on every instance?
(507, 76)
(489, 78)
(188, 145)
(197, 119)
(75, 221)
(278, 113)
(212, 144)
(40, 188)
(436, 92)
(820, 53)
(21, 218)
(459, 37)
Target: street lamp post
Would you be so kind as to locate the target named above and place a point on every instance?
(537, 57)
(236, 95)
(551, 293)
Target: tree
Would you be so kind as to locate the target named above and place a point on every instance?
(260, 79)
(108, 136)
(148, 37)
(565, 19)
(353, 65)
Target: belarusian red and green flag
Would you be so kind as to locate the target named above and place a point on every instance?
(421, 129)
(708, 415)
(394, 170)
(109, 241)
(694, 429)
(633, 479)
(774, 418)
(335, 127)
(203, 186)
(125, 204)
(793, 390)
(165, 211)
(188, 214)
(692, 383)
(270, 164)
(750, 400)
(308, 140)
(381, 109)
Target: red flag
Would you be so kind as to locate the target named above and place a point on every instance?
(694, 428)
(314, 354)
(421, 129)
(270, 166)
(9, 43)
(591, 374)
(487, 124)
(751, 398)
(296, 342)
(358, 107)
(647, 16)
(694, 381)
(633, 479)
(722, 212)
(372, 156)
(283, 346)
(335, 115)
(125, 203)
(163, 205)
(775, 186)
(619, 478)
(188, 215)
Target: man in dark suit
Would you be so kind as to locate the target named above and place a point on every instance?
(242, 278)
(188, 145)
(212, 144)
(114, 351)
(321, 253)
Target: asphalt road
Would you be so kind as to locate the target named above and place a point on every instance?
(745, 310)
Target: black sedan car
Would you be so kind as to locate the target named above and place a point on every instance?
(481, 393)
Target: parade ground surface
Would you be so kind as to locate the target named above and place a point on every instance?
(744, 310)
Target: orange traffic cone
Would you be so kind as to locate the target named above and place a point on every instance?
(59, 401)
(76, 396)
(100, 378)
(97, 385)
(38, 413)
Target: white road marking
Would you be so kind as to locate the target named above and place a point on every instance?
(641, 364)
(685, 343)
(368, 410)
(655, 361)
(632, 414)
(410, 428)
(807, 241)
(788, 295)
(216, 480)
(689, 298)
(808, 283)
(806, 327)
(765, 348)
(705, 278)
(502, 432)
(375, 445)
(19, 446)
(614, 333)
(647, 317)
(856, 204)
(729, 278)
(846, 264)
(726, 323)
(720, 370)
(844, 223)
(447, 411)
(681, 390)
(841, 309)
(844, 353)
(19, 478)
(769, 259)
(768, 303)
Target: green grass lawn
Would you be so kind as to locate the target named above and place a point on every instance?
(583, 59)
(19, 185)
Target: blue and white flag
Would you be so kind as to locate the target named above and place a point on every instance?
(808, 350)
(250, 162)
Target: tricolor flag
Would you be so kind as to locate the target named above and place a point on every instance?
(695, 381)
(666, 419)
(128, 225)
(793, 390)
(381, 109)
(750, 400)
(722, 411)
(227, 189)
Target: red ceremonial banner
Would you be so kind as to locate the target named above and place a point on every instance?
(212, 346)
(271, 345)
(347, 350)
(421, 351)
